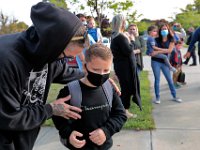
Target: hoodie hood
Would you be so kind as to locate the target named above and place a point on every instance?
(52, 30)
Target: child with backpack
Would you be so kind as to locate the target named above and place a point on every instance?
(102, 113)
(176, 61)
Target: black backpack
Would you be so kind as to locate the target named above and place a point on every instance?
(181, 77)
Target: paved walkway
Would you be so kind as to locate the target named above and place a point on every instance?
(177, 124)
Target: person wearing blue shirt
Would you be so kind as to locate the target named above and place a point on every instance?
(195, 38)
(80, 57)
(193, 54)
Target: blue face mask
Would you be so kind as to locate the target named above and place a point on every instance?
(175, 28)
(164, 33)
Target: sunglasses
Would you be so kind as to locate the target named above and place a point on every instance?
(82, 40)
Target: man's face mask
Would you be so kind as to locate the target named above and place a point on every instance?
(95, 78)
(84, 23)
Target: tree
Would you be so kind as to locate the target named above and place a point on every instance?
(120, 7)
(190, 15)
(197, 6)
(11, 25)
(59, 3)
(103, 7)
(3, 20)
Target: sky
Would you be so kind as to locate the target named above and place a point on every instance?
(151, 9)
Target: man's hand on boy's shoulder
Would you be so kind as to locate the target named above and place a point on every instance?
(60, 108)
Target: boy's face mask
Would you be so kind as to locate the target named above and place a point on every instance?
(95, 78)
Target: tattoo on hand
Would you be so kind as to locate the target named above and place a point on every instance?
(58, 109)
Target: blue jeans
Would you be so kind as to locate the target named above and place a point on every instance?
(165, 58)
(156, 67)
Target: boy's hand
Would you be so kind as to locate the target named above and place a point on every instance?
(97, 136)
(60, 108)
(154, 53)
(74, 141)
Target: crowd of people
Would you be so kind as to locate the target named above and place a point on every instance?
(33, 59)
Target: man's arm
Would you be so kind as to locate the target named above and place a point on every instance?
(62, 73)
(159, 49)
(195, 38)
(166, 51)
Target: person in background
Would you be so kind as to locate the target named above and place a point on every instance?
(93, 30)
(165, 41)
(178, 31)
(176, 61)
(199, 51)
(195, 38)
(81, 57)
(193, 53)
(152, 46)
(30, 61)
(82, 18)
(125, 64)
(139, 46)
(92, 132)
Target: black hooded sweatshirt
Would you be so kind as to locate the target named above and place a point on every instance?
(28, 67)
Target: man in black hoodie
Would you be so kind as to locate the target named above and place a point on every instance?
(29, 64)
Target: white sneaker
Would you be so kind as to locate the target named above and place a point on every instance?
(157, 101)
(177, 100)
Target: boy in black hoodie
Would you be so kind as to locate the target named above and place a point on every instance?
(101, 117)
(29, 64)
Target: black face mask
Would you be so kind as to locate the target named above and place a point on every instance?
(97, 79)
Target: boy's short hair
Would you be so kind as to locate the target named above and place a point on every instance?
(98, 50)
(89, 18)
(178, 42)
(151, 28)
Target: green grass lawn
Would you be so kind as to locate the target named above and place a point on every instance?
(144, 118)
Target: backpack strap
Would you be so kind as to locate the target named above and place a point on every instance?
(108, 90)
(75, 92)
